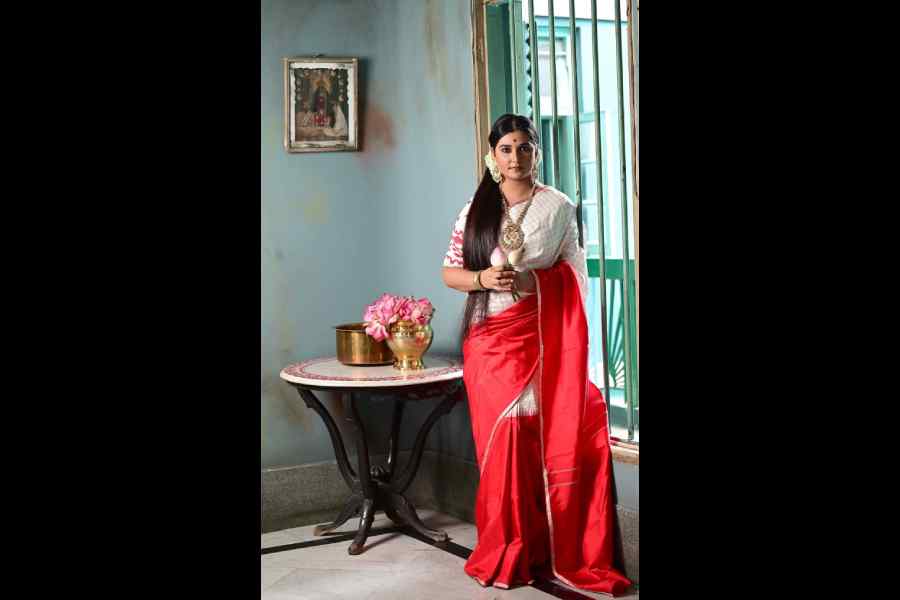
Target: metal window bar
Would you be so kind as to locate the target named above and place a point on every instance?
(554, 103)
(576, 124)
(513, 56)
(633, 15)
(626, 256)
(628, 285)
(535, 72)
(601, 209)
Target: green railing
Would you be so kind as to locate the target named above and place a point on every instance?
(616, 358)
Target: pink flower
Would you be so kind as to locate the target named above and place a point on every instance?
(370, 313)
(422, 311)
(386, 305)
(403, 307)
(389, 309)
(377, 331)
(498, 257)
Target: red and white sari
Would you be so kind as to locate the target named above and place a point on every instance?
(544, 504)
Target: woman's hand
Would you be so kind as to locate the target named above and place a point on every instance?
(499, 278)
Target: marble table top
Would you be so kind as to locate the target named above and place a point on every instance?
(329, 372)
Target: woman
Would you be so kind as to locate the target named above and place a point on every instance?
(320, 105)
(544, 505)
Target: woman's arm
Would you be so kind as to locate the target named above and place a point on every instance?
(492, 278)
(571, 252)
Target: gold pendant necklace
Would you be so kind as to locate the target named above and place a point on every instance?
(512, 237)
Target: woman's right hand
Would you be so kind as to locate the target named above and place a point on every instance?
(499, 278)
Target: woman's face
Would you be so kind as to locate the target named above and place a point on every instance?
(514, 154)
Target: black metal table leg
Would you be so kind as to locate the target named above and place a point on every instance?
(394, 446)
(340, 453)
(388, 474)
(355, 502)
(401, 482)
(367, 515)
(352, 508)
(375, 487)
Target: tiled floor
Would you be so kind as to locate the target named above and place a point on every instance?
(393, 566)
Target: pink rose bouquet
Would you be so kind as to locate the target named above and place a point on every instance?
(389, 309)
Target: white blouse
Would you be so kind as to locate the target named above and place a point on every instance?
(551, 234)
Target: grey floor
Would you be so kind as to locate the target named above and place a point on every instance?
(394, 566)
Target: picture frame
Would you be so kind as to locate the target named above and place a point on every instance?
(321, 104)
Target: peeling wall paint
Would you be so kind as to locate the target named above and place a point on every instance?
(379, 128)
(436, 44)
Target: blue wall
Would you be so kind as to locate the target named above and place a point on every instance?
(340, 228)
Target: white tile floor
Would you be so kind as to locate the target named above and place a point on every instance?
(393, 567)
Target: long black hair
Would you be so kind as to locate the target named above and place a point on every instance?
(483, 221)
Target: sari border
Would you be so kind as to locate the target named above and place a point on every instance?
(540, 404)
(472, 333)
(490, 442)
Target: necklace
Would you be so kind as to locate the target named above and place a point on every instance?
(511, 236)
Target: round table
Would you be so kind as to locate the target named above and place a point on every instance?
(376, 487)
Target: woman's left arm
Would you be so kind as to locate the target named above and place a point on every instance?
(572, 253)
(569, 251)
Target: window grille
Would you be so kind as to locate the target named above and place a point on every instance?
(585, 109)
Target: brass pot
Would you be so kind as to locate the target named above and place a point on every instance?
(409, 342)
(356, 347)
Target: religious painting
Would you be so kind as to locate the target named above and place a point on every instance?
(321, 104)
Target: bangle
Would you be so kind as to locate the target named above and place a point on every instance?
(477, 281)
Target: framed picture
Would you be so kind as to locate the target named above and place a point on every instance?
(321, 104)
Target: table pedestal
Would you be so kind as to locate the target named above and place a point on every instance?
(375, 487)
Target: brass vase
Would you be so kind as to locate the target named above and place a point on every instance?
(409, 342)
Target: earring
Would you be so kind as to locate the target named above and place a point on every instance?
(537, 162)
(493, 167)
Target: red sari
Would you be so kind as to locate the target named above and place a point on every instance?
(543, 506)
